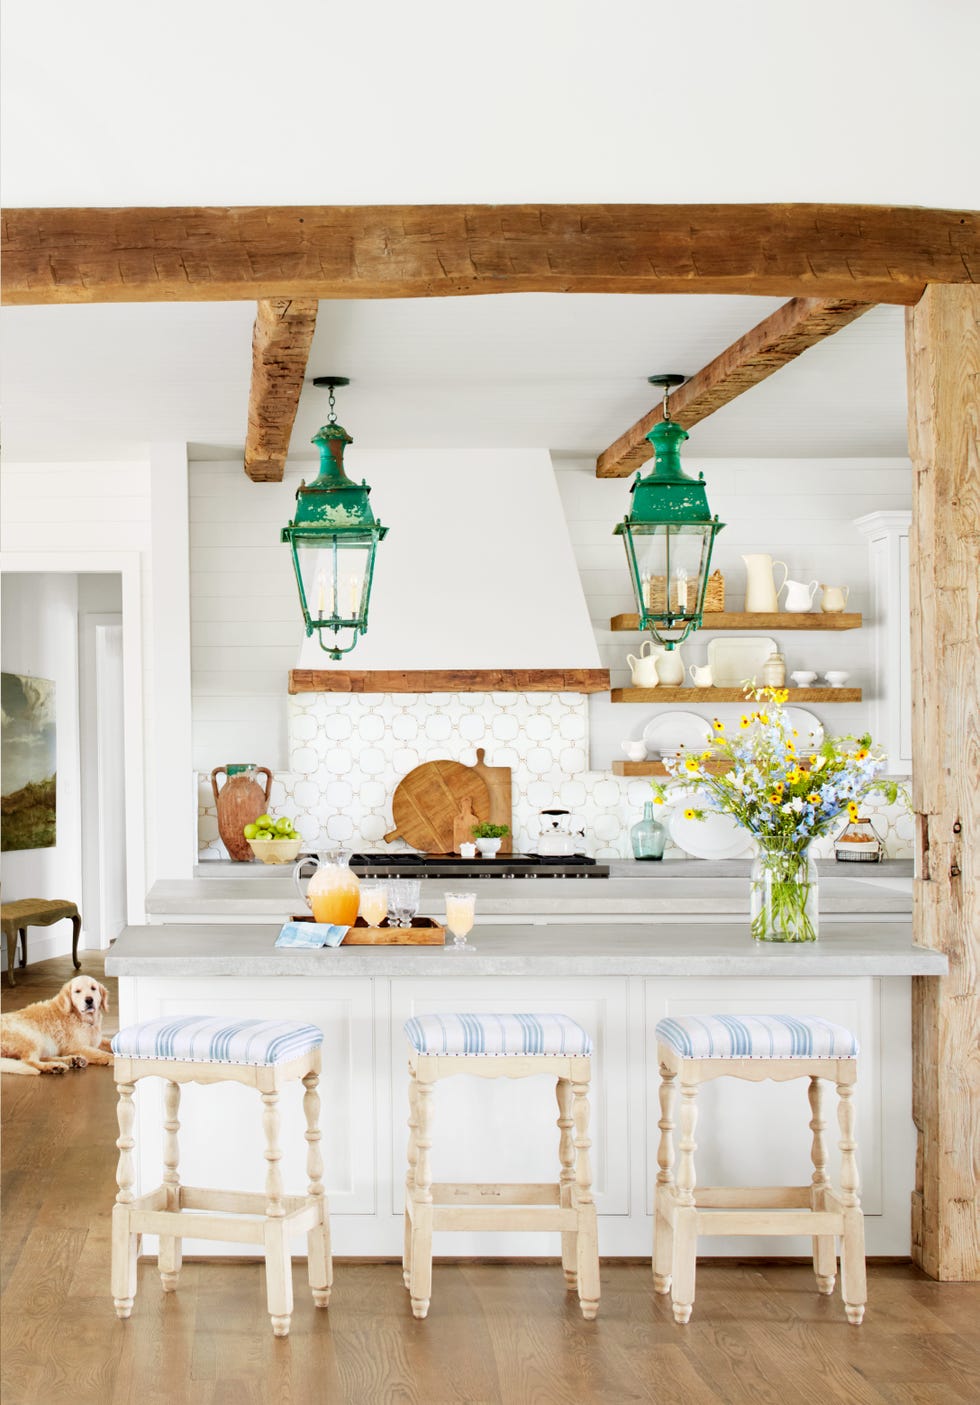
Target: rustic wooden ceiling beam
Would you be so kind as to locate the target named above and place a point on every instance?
(865, 252)
(780, 338)
(281, 343)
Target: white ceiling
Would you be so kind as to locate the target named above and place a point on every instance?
(565, 372)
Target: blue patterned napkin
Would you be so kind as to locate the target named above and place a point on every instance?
(310, 934)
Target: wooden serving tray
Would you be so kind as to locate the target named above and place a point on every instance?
(424, 931)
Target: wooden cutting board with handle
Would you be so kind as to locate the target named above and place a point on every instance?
(428, 799)
(498, 783)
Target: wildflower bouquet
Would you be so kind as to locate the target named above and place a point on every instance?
(784, 800)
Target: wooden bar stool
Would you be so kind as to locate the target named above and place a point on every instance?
(16, 917)
(695, 1048)
(261, 1054)
(502, 1046)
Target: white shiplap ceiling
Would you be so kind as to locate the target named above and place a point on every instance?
(561, 371)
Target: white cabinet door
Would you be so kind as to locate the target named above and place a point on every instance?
(505, 1129)
(221, 1137)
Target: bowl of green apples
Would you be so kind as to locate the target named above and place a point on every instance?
(273, 841)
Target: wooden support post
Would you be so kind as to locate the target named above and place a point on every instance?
(943, 345)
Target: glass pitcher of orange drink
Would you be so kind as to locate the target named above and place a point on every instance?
(333, 894)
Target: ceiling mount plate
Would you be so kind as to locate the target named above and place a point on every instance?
(331, 381)
(668, 381)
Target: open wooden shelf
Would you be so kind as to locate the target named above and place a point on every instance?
(720, 695)
(657, 768)
(720, 619)
(478, 680)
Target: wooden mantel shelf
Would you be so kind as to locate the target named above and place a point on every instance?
(657, 768)
(707, 695)
(782, 619)
(473, 680)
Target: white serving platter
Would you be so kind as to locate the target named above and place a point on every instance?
(717, 836)
(809, 727)
(671, 732)
(735, 660)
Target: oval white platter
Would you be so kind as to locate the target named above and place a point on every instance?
(717, 836)
(735, 660)
(809, 727)
(671, 732)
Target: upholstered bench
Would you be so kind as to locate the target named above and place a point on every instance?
(16, 917)
(502, 1046)
(261, 1054)
(695, 1048)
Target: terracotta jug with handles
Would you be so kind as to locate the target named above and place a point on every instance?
(239, 802)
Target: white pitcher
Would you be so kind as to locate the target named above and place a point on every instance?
(670, 665)
(643, 668)
(834, 598)
(701, 676)
(799, 597)
(761, 593)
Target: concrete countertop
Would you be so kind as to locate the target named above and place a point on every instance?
(871, 948)
(687, 887)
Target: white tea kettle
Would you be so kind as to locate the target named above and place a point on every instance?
(643, 667)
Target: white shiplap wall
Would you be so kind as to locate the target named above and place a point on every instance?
(800, 511)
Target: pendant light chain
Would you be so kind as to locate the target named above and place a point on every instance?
(332, 402)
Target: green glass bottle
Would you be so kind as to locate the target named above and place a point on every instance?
(648, 835)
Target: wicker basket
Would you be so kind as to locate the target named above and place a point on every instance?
(714, 595)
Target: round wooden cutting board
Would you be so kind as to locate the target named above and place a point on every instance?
(426, 802)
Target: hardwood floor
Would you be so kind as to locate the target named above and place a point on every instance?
(496, 1334)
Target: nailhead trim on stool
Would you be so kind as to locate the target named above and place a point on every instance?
(497, 1034)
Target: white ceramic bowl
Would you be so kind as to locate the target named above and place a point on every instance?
(836, 678)
(276, 850)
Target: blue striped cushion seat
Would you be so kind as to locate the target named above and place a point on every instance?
(497, 1034)
(756, 1037)
(208, 1039)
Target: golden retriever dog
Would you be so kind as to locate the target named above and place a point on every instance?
(52, 1036)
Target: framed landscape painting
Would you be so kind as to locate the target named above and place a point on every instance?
(28, 763)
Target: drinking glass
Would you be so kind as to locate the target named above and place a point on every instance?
(460, 912)
(403, 900)
(374, 903)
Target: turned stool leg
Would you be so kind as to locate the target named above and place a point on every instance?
(413, 1156)
(587, 1235)
(684, 1258)
(169, 1256)
(278, 1266)
(76, 931)
(853, 1274)
(824, 1248)
(566, 1177)
(663, 1233)
(12, 935)
(23, 946)
(320, 1261)
(124, 1247)
(420, 1249)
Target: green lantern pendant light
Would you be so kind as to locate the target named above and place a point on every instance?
(668, 534)
(333, 537)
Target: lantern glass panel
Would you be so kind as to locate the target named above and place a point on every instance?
(668, 554)
(335, 577)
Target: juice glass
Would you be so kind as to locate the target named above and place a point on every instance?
(374, 903)
(460, 914)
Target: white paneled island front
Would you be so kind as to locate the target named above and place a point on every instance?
(617, 981)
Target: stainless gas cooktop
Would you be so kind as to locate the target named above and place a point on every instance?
(414, 865)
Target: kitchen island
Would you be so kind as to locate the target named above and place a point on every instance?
(617, 980)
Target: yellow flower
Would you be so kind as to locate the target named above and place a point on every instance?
(658, 800)
(718, 726)
(852, 810)
(814, 799)
(862, 753)
(706, 756)
(781, 695)
(763, 717)
(744, 721)
(690, 814)
(692, 764)
(775, 798)
(794, 775)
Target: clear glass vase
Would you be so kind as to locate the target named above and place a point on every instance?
(648, 837)
(783, 896)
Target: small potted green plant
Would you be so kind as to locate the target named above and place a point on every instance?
(488, 837)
